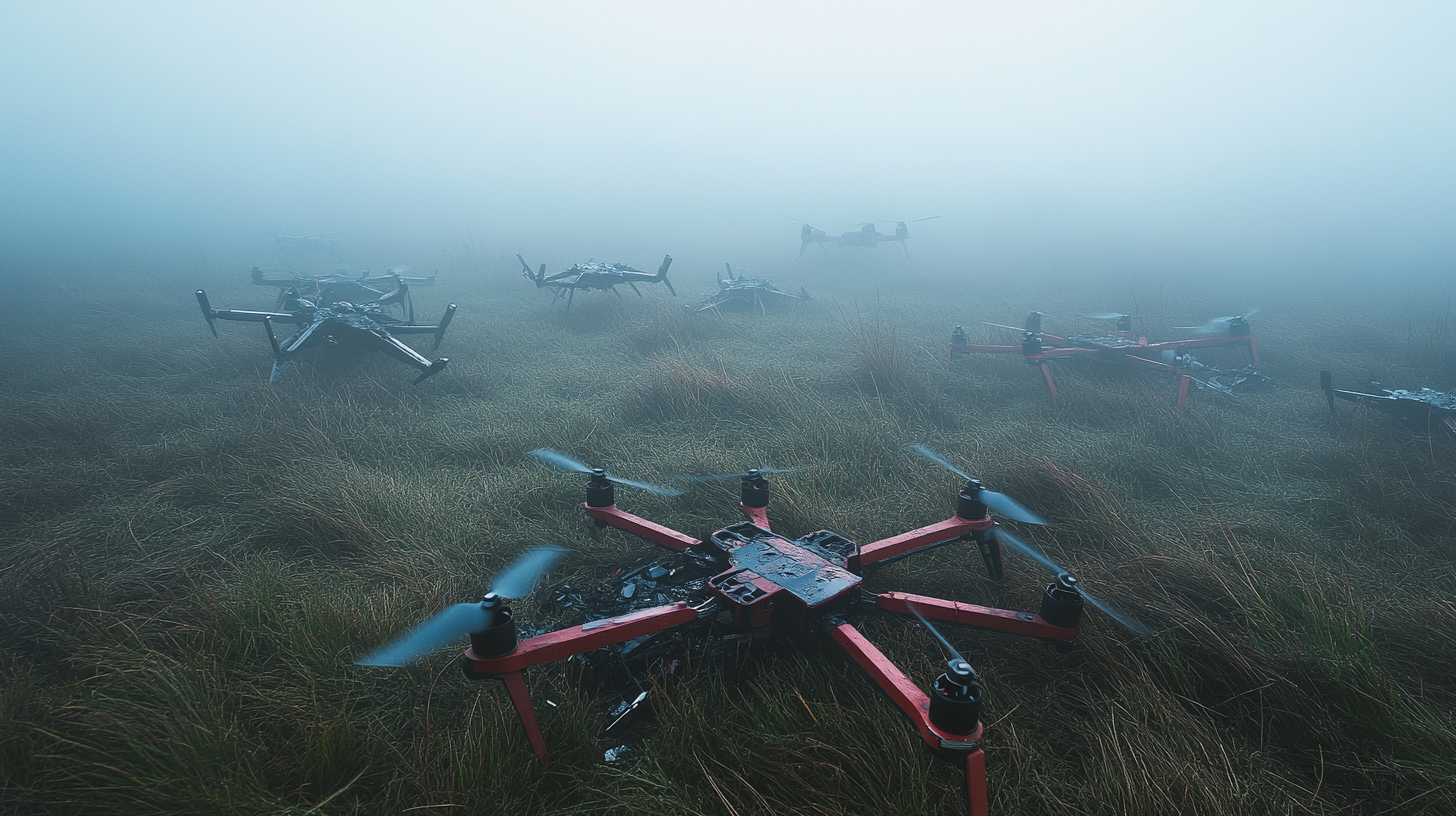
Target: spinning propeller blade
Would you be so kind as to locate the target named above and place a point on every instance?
(1036, 555)
(561, 461)
(999, 502)
(454, 622)
(955, 656)
(1219, 323)
(1108, 316)
(1003, 326)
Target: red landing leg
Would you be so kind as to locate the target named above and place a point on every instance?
(516, 686)
(1183, 393)
(1047, 372)
(976, 795)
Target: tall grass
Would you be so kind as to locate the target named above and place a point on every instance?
(191, 559)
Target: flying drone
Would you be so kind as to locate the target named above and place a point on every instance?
(864, 237)
(763, 583)
(389, 289)
(593, 275)
(1421, 406)
(1122, 347)
(362, 326)
(744, 292)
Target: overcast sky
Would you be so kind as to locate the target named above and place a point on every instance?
(1295, 134)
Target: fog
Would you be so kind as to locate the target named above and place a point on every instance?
(1293, 139)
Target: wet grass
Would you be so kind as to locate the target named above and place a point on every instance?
(192, 558)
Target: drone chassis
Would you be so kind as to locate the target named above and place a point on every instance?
(800, 588)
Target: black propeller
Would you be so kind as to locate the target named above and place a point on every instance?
(1067, 578)
(561, 461)
(452, 623)
(999, 502)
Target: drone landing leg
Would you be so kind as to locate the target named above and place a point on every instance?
(1254, 350)
(1047, 373)
(516, 687)
(976, 794)
(1183, 393)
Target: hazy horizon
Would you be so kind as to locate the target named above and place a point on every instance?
(1296, 139)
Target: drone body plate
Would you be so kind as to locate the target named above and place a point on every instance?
(765, 564)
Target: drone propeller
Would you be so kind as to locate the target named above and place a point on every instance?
(723, 477)
(1036, 555)
(958, 664)
(1109, 316)
(1003, 326)
(561, 461)
(999, 502)
(451, 623)
(918, 220)
(1219, 324)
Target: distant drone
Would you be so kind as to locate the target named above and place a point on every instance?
(593, 275)
(744, 580)
(390, 289)
(1418, 406)
(365, 326)
(744, 292)
(290, 244)
(866, 237)
(1122, 347)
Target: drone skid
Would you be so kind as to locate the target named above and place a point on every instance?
(797, 588)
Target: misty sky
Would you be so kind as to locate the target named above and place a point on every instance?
(1273, 134)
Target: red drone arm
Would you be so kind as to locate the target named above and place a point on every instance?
(642, 528)
(578, 639)
(985, 617)
(915, 703)
(926, 536)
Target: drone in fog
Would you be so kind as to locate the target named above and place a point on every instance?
(1122, 347)
(744, 581)
(745, 292)
(867, 236)
(1424, 405)
(366, 326)
(593, 275)
(390, 289)
(308, 243)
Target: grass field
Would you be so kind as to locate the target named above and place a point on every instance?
(193, 558)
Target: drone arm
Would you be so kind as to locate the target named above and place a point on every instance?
(757, 515)
(641, 527)
(906, 543)
(580, 639)
(437, 330)
(984, 617)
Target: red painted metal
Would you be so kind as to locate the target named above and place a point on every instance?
(1183, 393)
(757, 515)
(901, 689)
(978, 796)
(1046, 372)
(516, 687)
(985, 617)
(578, 639)
(641, 527)
(936, 533)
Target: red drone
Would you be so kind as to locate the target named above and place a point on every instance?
(765, 583)
(1123, 347)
